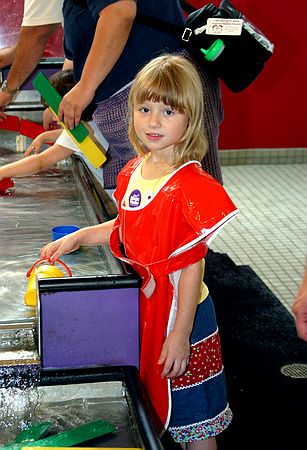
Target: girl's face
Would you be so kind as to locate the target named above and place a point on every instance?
(158, 126)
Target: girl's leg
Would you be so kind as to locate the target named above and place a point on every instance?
(206, 444)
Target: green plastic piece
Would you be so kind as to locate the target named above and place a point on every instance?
(53, 99)
(75, 436)
(30, 434)
(214, 50)
(33, 432)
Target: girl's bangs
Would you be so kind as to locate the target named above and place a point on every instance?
(160, 90)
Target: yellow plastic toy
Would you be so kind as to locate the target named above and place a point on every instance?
(43, 271)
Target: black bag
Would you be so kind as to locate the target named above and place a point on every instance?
(236, 59)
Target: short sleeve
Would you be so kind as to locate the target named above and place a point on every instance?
(96, 6)
(37, 12)
(206, 205)
(66, 141)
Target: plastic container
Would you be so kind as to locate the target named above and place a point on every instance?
(63, 230)
(43, 271)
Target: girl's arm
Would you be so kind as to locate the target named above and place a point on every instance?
(35, 163)
(176, 348)
(43, 138)
(94, 235)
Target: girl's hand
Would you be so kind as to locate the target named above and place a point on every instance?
(73, 103)
(174, 355)
(35, 146)
(47, 137)
(67, 244)
(48, 118)
(5, 99)
(3, 116)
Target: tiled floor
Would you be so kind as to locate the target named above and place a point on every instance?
(270, 233)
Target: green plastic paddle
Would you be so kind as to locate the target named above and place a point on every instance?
(74, 436)
(30, 434)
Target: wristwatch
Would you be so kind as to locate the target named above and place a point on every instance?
(5, 88)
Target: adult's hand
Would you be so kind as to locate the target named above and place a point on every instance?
(299, 308)
(73, 103)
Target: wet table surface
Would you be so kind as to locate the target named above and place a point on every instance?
(27, 215)
(70, 406)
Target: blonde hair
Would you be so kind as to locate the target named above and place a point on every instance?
(172, 80)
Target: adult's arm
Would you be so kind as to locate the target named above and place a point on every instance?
(111, 35)
(299, 308)
(29, 49)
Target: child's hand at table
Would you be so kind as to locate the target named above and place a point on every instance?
(3, 116)
(67, 244)
(35, 145)
(48, 119)
(48, 137)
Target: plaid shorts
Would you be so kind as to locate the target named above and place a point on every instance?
(111, 117)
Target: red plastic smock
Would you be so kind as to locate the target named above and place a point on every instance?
(170, 233)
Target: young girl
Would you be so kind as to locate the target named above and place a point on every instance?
(169, 211)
